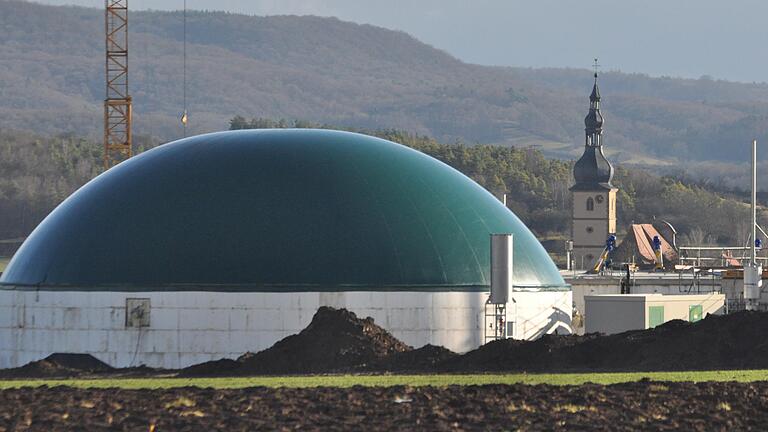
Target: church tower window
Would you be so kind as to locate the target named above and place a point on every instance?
(590, 204)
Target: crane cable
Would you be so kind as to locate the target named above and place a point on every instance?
(184, 116)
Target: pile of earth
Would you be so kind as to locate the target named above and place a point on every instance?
(425, 359)
(338, 341)
(651, 406)
(59, 366)
(335, 341)
(734, 341)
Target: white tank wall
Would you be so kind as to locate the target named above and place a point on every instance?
(192, 327)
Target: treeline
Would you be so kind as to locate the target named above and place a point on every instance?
(39, 172)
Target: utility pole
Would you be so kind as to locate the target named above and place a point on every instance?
(753, 273)
(117, 104)
(753, 255)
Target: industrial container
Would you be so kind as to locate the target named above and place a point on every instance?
(618, 313)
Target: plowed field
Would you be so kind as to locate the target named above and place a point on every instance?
(630, 406)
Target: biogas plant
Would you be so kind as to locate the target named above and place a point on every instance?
(220, 244)
(226, 243)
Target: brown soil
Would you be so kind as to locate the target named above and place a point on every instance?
(59, 365)
(338, 341)
(622, 407)
(335, 341)
(426, 358)
(734, 341)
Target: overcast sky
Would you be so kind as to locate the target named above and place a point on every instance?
(685, 38)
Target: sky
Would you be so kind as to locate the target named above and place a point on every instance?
(723, 39)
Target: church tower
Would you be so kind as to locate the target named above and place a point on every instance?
(594, 197)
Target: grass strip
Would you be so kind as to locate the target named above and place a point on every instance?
(393, 380)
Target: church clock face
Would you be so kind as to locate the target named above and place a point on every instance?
(599, 199)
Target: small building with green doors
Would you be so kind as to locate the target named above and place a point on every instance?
(611, 313)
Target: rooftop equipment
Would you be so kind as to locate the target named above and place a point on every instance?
(604, 261)
(658, 253)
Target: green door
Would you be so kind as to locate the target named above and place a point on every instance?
(694, 313)
(655, 316)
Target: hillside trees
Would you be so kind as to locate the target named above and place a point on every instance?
(39, 172)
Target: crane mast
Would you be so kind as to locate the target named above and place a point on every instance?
(117, 104)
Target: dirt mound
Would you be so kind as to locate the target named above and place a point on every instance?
(59, 365)
(338, 341)
(540, 355)
(426, 358)
(211, 368)
(733, 341)
(335, 341)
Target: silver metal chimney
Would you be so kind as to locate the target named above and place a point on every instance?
(501, 268)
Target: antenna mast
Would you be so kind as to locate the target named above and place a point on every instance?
(117, 104)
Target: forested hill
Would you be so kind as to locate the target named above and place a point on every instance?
(329, 71)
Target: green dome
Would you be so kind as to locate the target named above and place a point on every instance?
(277, 210)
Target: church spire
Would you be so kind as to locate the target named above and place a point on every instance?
(593, 169)
(593, 215)
(594, 119)
(595, 96)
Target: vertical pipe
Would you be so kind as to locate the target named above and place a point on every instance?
(753, 259)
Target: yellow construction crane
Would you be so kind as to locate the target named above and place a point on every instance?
(117, 104)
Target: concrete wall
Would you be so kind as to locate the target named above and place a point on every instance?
(192, 327)
(614, 314)
(619, 313)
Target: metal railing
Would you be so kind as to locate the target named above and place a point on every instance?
(722, 251)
